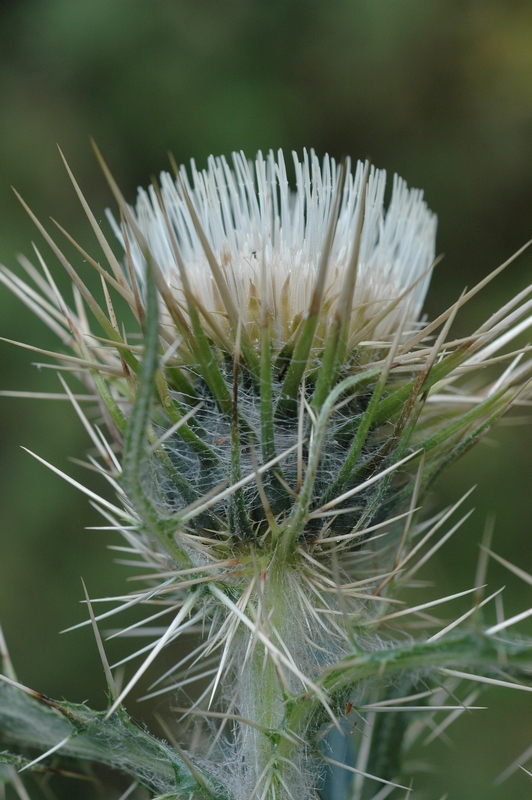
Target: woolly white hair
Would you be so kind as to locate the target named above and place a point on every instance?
(251, 218)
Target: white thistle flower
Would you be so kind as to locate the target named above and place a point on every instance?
(254, 223)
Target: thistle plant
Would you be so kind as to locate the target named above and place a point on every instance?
(271, 417)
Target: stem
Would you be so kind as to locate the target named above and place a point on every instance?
(271, 747)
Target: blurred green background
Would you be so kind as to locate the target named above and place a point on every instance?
(440, 92)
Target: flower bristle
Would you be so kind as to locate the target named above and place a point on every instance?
(273, 432)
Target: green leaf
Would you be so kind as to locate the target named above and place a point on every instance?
(31, 720)
(472, 650)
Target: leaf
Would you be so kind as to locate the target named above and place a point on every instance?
(28, 719)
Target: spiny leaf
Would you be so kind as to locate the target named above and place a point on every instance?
(31, 720)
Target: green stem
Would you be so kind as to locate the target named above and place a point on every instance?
(273, 746)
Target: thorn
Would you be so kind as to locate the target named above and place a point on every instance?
(7, 664)
(108, 675)
(47, 753)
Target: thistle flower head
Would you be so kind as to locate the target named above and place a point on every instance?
(274, 421)
(270, 242)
